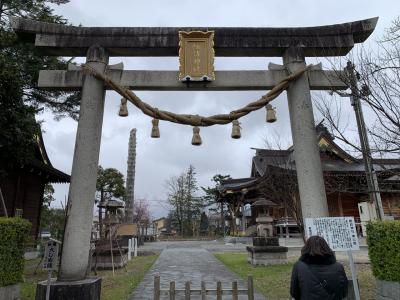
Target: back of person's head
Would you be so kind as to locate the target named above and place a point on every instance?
(316, 245)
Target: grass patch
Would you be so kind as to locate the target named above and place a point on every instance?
(271, 281)
(274, 281)
(28, 287)
(123, 283)
(117, 287)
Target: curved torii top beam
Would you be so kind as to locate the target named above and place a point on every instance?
(63, 40)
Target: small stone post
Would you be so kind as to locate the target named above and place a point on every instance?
(306, 152)
(135, 247)
(76, 245)
(130, 248)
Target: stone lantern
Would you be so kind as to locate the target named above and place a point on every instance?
(112, 213)
(264, 219)
(265, 249)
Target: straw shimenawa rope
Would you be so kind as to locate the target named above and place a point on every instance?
(196, 120)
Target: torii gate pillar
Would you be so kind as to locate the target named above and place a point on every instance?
(76, 245)
(306, 153)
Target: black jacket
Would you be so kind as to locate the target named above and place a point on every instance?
(318, 277)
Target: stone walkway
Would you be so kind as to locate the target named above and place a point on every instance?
(187, 264)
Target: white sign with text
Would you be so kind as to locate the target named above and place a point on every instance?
(339, 232)
(51, 255)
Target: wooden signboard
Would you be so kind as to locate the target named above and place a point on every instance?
(127, 229)
(51, 255)
(196, 56)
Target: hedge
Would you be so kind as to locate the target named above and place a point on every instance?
(13, 233)
(383, 240)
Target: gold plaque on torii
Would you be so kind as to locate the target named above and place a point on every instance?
(196, 56)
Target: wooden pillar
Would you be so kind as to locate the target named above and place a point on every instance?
(157, 287)
(340, 204)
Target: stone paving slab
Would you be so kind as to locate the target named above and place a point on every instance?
(188, 264)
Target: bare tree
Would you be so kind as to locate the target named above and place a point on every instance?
(279, 184)
(141, 211)
(379, 90)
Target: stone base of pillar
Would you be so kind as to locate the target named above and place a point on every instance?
(266, 251)
(10, 292)
(387, 290)
(88, 289)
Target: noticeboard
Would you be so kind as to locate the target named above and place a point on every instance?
(339, 232)
(51, 255)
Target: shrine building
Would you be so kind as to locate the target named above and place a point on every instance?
(23, 187)
(273, 180)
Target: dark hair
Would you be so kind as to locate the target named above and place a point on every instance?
(316, 245)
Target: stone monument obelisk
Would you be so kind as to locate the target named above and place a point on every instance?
(130, 177)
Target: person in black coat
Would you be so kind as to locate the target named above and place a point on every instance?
(317, 275)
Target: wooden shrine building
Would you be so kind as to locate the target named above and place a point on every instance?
(23, 187)
(273, 177)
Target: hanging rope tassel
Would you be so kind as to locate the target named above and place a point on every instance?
(235, 129)
(155, 131)
(123, 108)
(191, 119)
(271, 113)
(196, 139)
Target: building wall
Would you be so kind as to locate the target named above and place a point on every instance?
(391, 204)
(346, 204)
(159, 224)
(24, 191)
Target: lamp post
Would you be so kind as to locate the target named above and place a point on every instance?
(372, 180)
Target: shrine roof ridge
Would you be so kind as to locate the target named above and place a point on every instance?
(328, 40)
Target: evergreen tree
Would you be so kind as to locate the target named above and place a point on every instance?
(17, 121)
(193, 204)
(110, 184)
(48, 195)
(211, 196)
(20, 99)
(51, 219)
(203, 223)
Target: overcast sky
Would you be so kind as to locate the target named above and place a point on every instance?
(159, 159)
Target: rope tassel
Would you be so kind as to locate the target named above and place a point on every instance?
(155, 131)
(235, 129)
(123, 108)
(196, 139)
(271, 113)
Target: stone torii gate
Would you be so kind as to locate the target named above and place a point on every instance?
(98, 43)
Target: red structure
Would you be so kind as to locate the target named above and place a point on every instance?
(23, 188)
